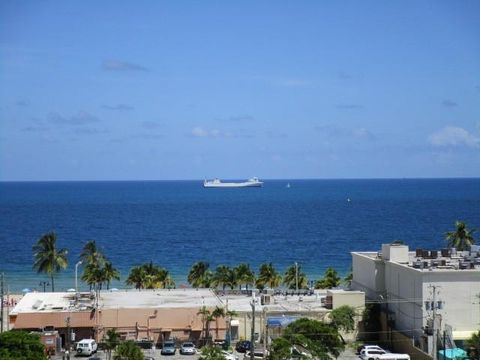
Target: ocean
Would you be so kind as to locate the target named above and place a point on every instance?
(176, 223)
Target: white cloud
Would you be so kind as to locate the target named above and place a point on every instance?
(454, 136)
(213, 133)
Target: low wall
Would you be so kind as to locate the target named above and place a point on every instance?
(403, 344)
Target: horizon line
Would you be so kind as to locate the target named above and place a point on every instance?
(264, 179)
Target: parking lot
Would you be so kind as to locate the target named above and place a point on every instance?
(348, 354)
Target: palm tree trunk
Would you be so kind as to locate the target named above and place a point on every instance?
(53, 285)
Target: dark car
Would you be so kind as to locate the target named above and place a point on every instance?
(243, 346)
(168, 348)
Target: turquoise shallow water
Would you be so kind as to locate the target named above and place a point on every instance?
(175, 223)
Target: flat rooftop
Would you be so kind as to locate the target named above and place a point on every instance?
(436, 260)
(163, 298)
(158, 298)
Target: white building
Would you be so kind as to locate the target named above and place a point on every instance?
(413, 287)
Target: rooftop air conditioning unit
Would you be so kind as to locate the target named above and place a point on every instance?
(265, 300)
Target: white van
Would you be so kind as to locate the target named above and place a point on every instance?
(86, 347)
(392, 356)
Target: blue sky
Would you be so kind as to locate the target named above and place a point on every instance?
(276, 89)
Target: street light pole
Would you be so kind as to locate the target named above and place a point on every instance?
(76, 274)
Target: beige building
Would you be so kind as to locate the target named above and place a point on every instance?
(157, 315)
(416, 287)
(154, 315)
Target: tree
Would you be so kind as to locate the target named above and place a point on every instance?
(347, 280)
(206, 319)
(149, 276)
(268, 276)
(244, 275)
(136, 277)
(329, 280)
(343, 318)
(15, 345)
(371, 321)
(128, 350)
(320, 339)
(218, 312)
(91, 254)
(199, 275)
(294, 276)
(212, 353)
(48, 259)
(110, 273)
(223, 277)
(461, 238)
(111, 341)
(473, 346)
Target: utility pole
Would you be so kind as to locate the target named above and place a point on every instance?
(67, 342)
(1, 306)
(434, 324)
(435, 330)
(252, 346)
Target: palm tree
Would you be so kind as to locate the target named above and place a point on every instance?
(268, 276)
(128, 350)
(329, 280)
(206, 318)
(91, 254)
(461, 238)
(111, 341)
(223, 276)
(217, 313)
(110, 273)
(149, 276)
(94, 261)
(245, 275)
(212, 353)
(199, 274)
(93, 276)
(294, 277)
(48, 259)
(136, 277)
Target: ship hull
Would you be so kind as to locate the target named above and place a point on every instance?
(233, 185)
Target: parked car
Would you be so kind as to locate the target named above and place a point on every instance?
(366, 346)
(257, 355)
(188, 348)
(229, 356)
(168, 348)
(243, 346)
(392, 356)
(86, 347)
(371, 354)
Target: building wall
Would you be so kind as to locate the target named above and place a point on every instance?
(368, 274)
(403, 298)
(406, 289)
(459, 291)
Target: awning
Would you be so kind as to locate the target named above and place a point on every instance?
(166, 330)
(462, 335)
(280, 321)
(234, 323)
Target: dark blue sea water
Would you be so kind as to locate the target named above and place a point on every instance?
(176, 223)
